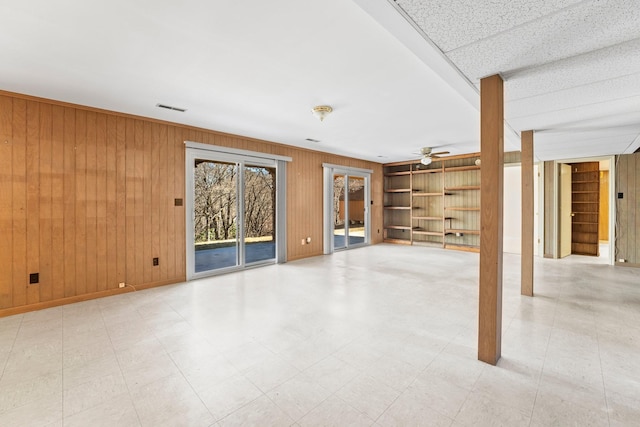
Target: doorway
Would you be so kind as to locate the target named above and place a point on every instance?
(584, 209)
(234, 211)
(346, 208)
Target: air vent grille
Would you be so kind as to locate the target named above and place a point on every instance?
(169, 107)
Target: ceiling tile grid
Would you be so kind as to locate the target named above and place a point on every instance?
(458, 23)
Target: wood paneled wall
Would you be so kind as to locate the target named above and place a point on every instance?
(87, 200)
(627, 239)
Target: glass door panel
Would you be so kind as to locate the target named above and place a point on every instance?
(339, 213)
(259, 213)
(355, 225)
(215, 215)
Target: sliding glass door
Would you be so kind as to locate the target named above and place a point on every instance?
(215, 208)
(259, 213)
(349, 215)
(346, 197)
(233, 203)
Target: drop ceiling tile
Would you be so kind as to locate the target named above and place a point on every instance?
(588, 26)
(621, 60)
(453, 24)
(578, 116)
(601, 92)
(569, 147)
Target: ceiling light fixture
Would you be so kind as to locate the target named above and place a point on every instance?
(426, 160)
(321, 111)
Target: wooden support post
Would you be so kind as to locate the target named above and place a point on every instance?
(526, 277)
(491, 200)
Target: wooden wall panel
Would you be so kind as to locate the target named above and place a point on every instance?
(6, 202)
(627, 239)
(32, 213)
(45, 235)
(19, 216)
(87, 200)
(57, 203)
(91, 179)
(101, 202)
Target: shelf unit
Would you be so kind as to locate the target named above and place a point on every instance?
(462, 180)
(585, 205)
(433, 205)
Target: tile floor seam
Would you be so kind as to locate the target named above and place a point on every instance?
(544, 360)
(121, 373)
(13, 343)
(239, 408)
(604, 384)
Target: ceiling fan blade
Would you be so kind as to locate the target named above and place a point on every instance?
(439, 153)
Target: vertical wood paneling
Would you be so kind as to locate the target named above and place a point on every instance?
(101, 202)
(92, 170)
(171, 220)
(57, 203)
(130, 185)
(145, 236)
(33, 199)
(163, 202)
(121, 193)
(156, 194)
(87, 199)
(112, 204)
(179, 212)
(6, 202)
(45, 203)
(81, 202)
(19, 192)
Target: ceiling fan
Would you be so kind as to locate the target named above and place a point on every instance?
(428, 155)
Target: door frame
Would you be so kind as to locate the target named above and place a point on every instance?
(329, 170)
(612, 202)
(197, 150)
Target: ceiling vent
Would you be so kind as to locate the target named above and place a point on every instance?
(169, 107)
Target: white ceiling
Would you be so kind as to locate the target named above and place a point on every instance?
(399, 76)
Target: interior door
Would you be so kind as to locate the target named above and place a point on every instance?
(564, 222)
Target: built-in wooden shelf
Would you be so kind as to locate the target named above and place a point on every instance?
(454, 180)
(461, 168)
(398, 227)
(578, 203)
(397, 190)
(463, 188)
(419, 194)
(427, 233)
(419, 171)
(585, 182)
(398, 173)
(454, 231)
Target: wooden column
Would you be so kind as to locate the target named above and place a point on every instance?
(526, 276)
(491, 199)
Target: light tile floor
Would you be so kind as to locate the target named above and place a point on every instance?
(383, 335)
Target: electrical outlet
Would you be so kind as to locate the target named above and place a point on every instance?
(34, 278)
(156, 261)
(121, 285)
(308, 240)
(622, 260)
